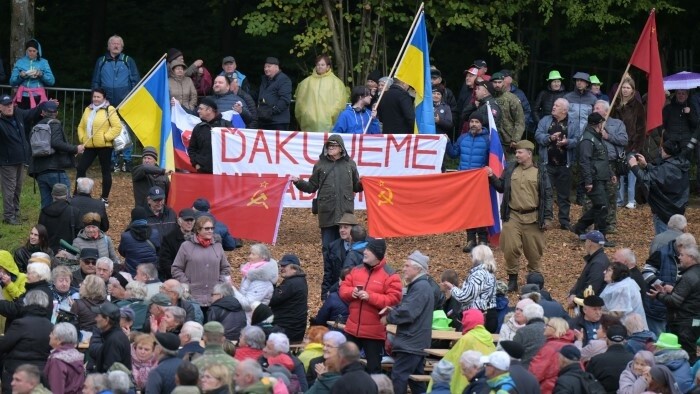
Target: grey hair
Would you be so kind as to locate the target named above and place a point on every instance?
(119, 382)
(85, 185)
(483, 255)
(99, 381)
(387, 81)
(61, 271)
(149, 269)
(254, 337)
(194, 330)
(178, 313)
(250, 366)
(677, 222)
(358, 233)
(225, 289)
(533, 311)
(604, 103)
(686, 239)
(633, 323)
(280, 342)
(42, 270)
(106, 260)
(31, 370)
(36, 297)
(629, 256)
(693, 252)
(563, 101)
(471, 358)
(383, 382)
(137, 290)
(262, 251)
(65, 333)
(177, 287)
(336, 337)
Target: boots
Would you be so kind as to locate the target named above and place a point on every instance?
(470, 245)
(512, 283)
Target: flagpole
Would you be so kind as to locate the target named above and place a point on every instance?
(400, 56)
(148, 74)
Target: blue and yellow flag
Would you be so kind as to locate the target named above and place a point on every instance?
(147, 112)
(414, 69)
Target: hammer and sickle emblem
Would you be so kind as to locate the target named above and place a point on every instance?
(385, 196)
(258, 198)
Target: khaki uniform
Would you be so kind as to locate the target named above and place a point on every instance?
(521, 234)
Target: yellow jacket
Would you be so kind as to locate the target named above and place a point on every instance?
(104, 129)
(14, 289)
(319, 100)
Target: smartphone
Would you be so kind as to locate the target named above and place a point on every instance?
(359, 288)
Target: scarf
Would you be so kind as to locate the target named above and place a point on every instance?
(204, 242)
(93, 113)
(141, 368)
(251, 266)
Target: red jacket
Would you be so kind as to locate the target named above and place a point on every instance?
(384, 288)
(545, 364)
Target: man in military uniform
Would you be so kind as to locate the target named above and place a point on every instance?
(595, 175)
(512, 125)
(526, 210)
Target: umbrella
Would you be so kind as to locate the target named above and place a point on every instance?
(682, 80)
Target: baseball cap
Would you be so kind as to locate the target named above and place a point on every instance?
(616, 333)
(201, 204)
(5, 100)
(50, 106)
(472, 71)
(478, 63)
(228, 59)
(156, 193)
(214, 327)
(570, 352)
(289, 259)
(108, 310)
(593, 236)
(529, 288)
(89, 253)
(186, 213)
(272, 60)
(499, 360)
(160, 299)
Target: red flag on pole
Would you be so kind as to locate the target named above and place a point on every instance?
(403, 206)
(250, 205)
(646, 58)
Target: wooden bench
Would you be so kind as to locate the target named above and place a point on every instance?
(420, 378)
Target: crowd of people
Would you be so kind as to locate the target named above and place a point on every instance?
(159, 312)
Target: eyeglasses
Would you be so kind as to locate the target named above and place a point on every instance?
(325, 345)
(90, 262)
(216, 294)
(189, 220)
(208, 228)
(206, 376)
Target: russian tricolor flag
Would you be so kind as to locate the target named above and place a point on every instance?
(497, 162)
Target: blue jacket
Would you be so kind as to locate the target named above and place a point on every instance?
(580, 106)
(137, 251)
(661, 265)
(353, 122)
(573, 135)
(527, 110)
(25, 64)
(274, 99)
(117, 76)
(160, 379)
(472, 150)
(228, 242)
(333, 309)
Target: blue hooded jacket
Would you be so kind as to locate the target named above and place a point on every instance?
(26, 64)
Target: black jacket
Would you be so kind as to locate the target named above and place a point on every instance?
(62, 157)
(62, 221)
(229, 313)
(169, 246)
(592, 273)
(608, 367)
(525, 381)
(502, 185)
(593, 157)
(14, 136)
(678, 125)
(668, 186)
(85, 204)
(109, 347)
(200, 144)
(289, 304)
(354, 381)
(274, 99)
(146, 176)
(396, 111)
(544, 103)
(570, 380)
(683, 303)
(164, 223)
(332, 265)
(26, 341)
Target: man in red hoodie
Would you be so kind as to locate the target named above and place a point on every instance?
(369, 289)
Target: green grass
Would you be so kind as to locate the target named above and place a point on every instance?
(30, 203)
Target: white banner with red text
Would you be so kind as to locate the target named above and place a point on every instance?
(246, 151)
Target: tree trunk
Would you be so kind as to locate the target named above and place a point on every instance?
(22, 27)
(336, 34)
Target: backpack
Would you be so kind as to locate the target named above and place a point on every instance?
(40, 139)
(591, 385)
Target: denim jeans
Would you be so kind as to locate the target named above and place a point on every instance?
(126, 153)
(46, 182)
(659, 225)
(628, 182)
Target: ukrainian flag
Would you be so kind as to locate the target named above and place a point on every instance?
(147, 112)
(414, 69)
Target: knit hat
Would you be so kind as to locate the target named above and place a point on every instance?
(523, 303)
(535, 278)
(261, 313)
(570, 352)
(214, 327)
(514, 349)
(31, 44)
(595, 119)
(442, 372)
(420, 258)
(374, 76)
(471, 318)
(476, 115)
(201, 204)
(178, 63)
(138, 213)
(59, 190)
(173, 53)
(209, 102)
(168, 341)
(377, 246)
(499, 360)
(149, 151)
(440, 89)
